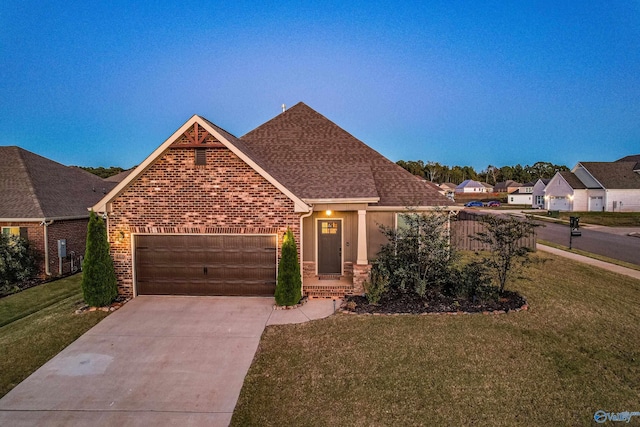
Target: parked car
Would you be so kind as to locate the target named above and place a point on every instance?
(493, 204)
(473, 204)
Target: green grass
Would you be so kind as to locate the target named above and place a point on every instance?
(37, 324)
(573, 353)
(610, 219)
(590, 255)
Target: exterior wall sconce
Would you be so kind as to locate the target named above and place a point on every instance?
(328, 212)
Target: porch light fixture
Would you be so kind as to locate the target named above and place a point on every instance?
(328, 212)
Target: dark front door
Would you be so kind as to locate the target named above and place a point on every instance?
(329, 246)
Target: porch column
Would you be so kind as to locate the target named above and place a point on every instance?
(362, 238)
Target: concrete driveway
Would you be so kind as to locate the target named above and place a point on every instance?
(156, 361)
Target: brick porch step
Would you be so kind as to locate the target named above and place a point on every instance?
(329, 289)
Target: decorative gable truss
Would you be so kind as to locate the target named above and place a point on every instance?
(197, 137)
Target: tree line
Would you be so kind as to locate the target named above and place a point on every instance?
(437, 173)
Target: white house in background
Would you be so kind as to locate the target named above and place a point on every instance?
(538, 193)
(522, 196)
(470, 186)
(596, 186)
(565, 192)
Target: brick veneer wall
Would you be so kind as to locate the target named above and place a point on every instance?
(225, 196)
(74, 231)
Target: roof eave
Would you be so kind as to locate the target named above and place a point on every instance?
(342, 200)
(53, 218)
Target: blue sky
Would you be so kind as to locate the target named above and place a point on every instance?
(469, 83)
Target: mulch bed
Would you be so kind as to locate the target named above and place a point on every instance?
(409, 303)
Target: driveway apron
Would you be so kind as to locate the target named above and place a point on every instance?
(158, 360)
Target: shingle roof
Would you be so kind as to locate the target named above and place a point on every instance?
(316, 159)
(572, 180)
(469, 183)
(614, 175)
(633, 158)
(119, 176)
(506, 184)
(32, 186)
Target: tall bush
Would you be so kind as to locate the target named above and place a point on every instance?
(17, 261)
(503, 236)
(289, 285)
(418, 255)
(99, 284)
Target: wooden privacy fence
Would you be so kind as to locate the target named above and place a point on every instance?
(467, 225)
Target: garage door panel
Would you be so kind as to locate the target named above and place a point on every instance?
(206, 265)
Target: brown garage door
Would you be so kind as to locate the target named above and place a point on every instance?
(205, 265)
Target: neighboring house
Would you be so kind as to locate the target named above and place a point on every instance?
(596, 186)
(508, 186)
(487, 187)
(119, 176)
(538, 193)
(470, 186)
(46, 203)
(205, 213)
(522, 196)
(448, 189)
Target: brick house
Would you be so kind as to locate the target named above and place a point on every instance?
(46, 203)
(205, 213)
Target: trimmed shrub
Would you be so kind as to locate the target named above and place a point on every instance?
(289, 285)
(99, 284)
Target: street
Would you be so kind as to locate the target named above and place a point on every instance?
(620, 247)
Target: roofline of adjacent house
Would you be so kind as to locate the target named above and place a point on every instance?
(101, 206)
(412, 208)
(53, 218)
(590, 174)
(340, 201)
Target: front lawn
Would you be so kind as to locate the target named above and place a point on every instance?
(37, 324)
(573, 353)
(611, 219)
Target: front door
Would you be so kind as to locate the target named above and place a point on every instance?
(329, 246)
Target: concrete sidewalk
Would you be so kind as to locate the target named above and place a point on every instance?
(159, 360)
(591, 261)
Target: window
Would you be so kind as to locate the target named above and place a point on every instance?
(15, 231)
(329, 227)
(201, 156)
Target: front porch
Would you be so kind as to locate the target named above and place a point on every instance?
(334, 286)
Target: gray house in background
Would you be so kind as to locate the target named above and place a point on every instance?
(538, 193)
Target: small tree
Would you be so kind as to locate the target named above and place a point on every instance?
(418, 255)
(17, 261)
(289, 286)
(504, 236)
(99, 284)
